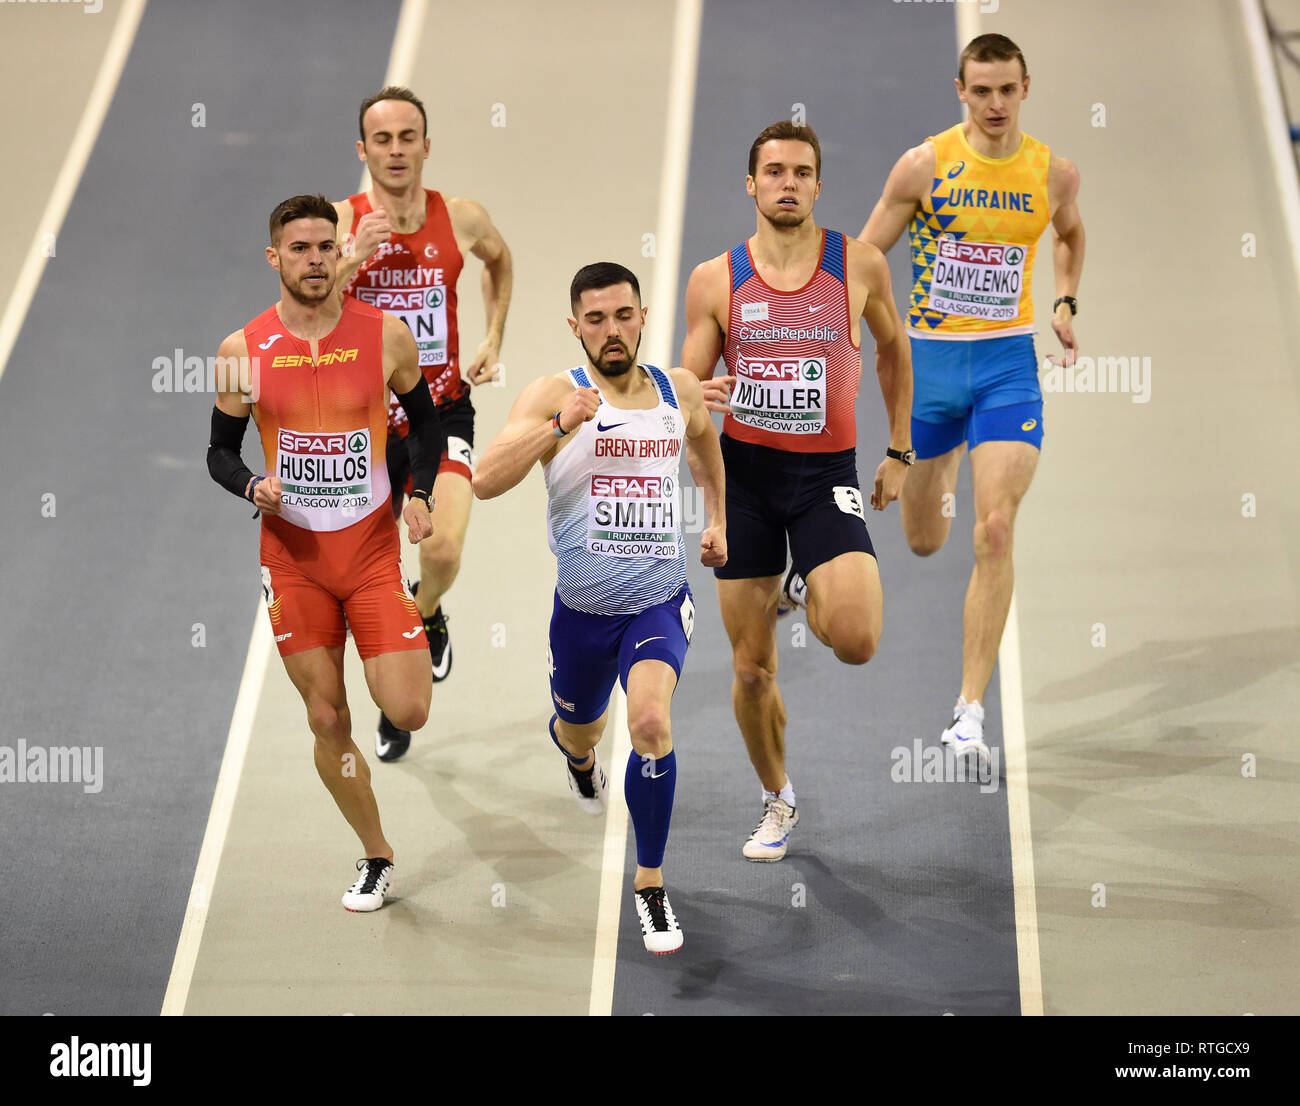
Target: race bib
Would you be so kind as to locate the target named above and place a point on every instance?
(783, 395)
(325, 477)
(633, 516)
(423, 309)
(981, 280)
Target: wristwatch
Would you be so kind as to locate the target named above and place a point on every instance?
(907, 456)
(1074, 304)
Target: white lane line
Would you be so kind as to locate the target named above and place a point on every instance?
(65, 185)
(659, 338)
(611, 865)
(223, 804)
(1015, 757)
(1276, 125)
(672, 183)
(1014, 747)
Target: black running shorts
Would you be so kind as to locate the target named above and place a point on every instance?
(811, 499)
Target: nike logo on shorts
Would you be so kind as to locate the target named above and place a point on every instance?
(661, 637)
(657, 775)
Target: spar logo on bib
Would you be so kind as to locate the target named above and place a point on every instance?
(435, 297)
(783, 395)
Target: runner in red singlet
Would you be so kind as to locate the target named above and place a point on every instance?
(783, 309)
(403, 248)
(321, 372)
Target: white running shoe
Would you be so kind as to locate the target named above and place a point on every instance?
(659, 926)
(590, 789)
(794, 593)
(966, 734)
(369, 892)
(772, 835)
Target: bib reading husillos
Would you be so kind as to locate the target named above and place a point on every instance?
(633, 516)
(782, 395)
(326, 477)
(980, 280)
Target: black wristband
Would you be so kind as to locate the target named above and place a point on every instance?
(225, 466)
(1074, 304)
(427, 439)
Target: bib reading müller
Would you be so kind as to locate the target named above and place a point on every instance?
(614, 508)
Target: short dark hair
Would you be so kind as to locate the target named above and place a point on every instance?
(786, 131)
(990, 48)
(392, 92)
(603, 274)
(301, 207)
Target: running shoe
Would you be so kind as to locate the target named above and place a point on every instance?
(589, 786)
(966, 733)
(794, 593)
(659, 928)
(439, 644)
(390, 742)
(771, 837)
(369, 891)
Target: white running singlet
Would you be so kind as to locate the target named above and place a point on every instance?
(614, 509)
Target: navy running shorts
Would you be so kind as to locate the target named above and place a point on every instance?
(811, 500)
(587, 652)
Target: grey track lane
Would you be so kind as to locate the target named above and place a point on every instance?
(906, 886)
(161, 250)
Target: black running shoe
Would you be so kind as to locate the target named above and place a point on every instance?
(439, 644)
(390, 742)
(659, 928)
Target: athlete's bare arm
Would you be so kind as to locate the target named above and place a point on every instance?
(372, 229)
(403, 376)
(237, 403)
(704, 456)
(708, 300)
(471, 223)
(904, 188)
(529, 434)
(867, 267)
(1067, 248)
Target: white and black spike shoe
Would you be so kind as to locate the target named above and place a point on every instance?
(659, 928)
(369, 892)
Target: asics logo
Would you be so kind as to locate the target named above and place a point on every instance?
(641, 643)
(612, 426)
(270, 341)
(412, 633)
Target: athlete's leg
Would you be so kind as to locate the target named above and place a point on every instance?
(1001, 473)
(925, 511)
(845, 606)
(749, 614)
(650, 686)
(401, 684)
(440, 553)
(578, 741)
(318, 676)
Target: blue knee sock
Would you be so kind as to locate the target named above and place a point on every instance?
(648, 786)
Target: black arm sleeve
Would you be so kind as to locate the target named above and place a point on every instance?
(224, 463)
(427, 439)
